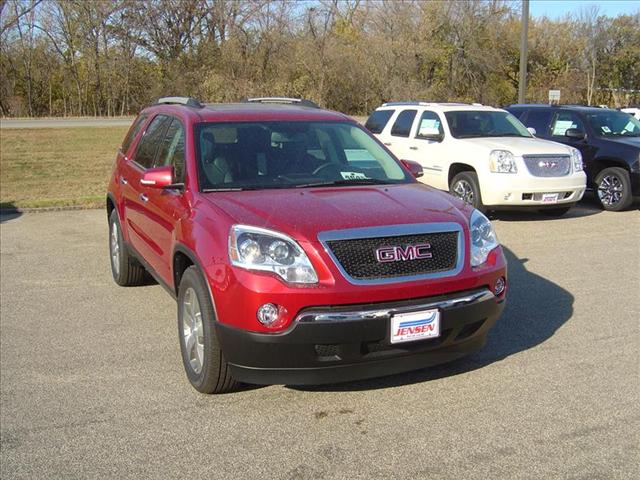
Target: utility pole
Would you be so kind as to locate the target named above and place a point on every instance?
(522, 83)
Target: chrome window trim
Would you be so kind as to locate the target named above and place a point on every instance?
(320, 315)
(394, 231)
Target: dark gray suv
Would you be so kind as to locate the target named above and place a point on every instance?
(609, 141)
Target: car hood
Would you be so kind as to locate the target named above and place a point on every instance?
(519, 145)
(303, 213)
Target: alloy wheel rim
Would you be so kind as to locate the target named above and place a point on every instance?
(610, 190)
(115, 249)
(462, 189)
(192, 330)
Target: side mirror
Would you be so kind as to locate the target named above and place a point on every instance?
(575, 133)
(532, 130)
(414, 167)
(159, 177)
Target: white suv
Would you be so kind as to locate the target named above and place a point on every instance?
(481, 154)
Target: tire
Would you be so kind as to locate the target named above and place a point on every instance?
(202, 357)
(126, 270)
(613, 188)
(465, 186)
(555, 212)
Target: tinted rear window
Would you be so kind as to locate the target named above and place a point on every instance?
(133, 133)
(402, 125)
(378, 120)
(539, 119)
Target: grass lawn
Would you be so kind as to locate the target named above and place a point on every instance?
(50, 167)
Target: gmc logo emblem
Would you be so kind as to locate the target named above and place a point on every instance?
(410, 252)
(547, 164)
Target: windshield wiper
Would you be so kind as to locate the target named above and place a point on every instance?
(352, 181)
(506, 135)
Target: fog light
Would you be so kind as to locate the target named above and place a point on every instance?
(499, 287)
(268, 314)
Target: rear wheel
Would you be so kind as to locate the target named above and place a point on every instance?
(614, 189)
(465, 186)
(126, 271)
(202, 357)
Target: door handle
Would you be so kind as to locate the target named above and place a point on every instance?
(123, 181)
(144, 198)
(387, 144)
(413, 148)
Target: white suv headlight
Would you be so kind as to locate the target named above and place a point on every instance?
(256, 248)
(483, 238)
(502, 161)
(576, 160)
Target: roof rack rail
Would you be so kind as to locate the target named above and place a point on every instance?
(400, 104)
(187, 101)
(424, 104)
(286, 100)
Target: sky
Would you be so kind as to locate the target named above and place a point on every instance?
(555, 9)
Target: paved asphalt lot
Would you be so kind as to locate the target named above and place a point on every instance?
(93, 386)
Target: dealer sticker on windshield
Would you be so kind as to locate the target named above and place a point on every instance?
(408, 327)
(353, 176)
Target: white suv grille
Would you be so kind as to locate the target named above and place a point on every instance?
(548, 165)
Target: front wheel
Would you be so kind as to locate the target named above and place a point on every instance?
(202, 357)
(465, 186)
(614, 189)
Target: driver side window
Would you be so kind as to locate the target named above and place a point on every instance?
(172, 150)
(563, 122)
(430, 126)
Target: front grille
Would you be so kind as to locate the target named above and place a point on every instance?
(548, 165)
(358, 256)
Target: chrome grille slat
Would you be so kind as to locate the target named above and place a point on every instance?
(548, 165)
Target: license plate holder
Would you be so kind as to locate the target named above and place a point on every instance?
(549, 198)
(414, 326)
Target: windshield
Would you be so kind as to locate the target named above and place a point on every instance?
(264, 155)
(611, 123)
(478, 123)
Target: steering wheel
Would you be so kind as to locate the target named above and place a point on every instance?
(324, 166)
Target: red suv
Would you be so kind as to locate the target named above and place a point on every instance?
(298, 248)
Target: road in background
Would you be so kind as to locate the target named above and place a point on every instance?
(92, 383)
(64, 122)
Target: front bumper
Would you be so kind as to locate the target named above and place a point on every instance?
(337, 344)
(523, 189)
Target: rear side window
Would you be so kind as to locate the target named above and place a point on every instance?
(403, 123)
(132, 133)
(564, 121)
(378, 120)
(172, 150)
(148, 146)
(539, 119)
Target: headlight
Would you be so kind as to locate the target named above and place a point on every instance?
(256, 248)
(483, 238)
(576, 160)
(502, 161)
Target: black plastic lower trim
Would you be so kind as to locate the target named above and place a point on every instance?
(328, 352)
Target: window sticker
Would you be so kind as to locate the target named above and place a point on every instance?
(606, 129)
(353, 175)
(429, 126)
(561, 126)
